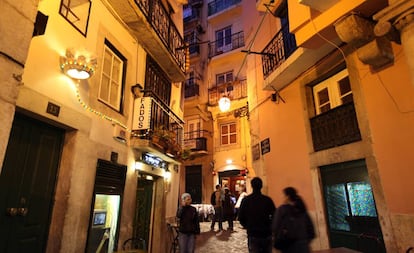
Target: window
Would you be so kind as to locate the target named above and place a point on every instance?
(224, 77)
(332, 92)
(113, 68)
(228, 133)
(223, 40)
(76, 13)
(193, 128)
(348, 200)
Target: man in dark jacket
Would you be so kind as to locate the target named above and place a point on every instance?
(256, 214)
(189, 225)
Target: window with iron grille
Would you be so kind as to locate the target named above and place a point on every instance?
(157, 83)
(335, 122)
(228, 133)
(112, 77)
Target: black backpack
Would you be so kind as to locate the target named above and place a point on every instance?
(213, 198)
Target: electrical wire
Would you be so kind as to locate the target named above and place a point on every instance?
(251, 44)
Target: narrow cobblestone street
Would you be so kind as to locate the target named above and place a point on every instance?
(228, 241)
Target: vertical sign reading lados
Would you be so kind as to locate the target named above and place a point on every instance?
(142, 113)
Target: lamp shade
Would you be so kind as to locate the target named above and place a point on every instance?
(224, 104)
(77, 65)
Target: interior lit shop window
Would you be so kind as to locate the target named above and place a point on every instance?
(104, 223)
(349, 200)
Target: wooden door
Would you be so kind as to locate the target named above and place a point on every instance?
(27, 184)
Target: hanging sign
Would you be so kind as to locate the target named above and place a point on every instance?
(142, 113)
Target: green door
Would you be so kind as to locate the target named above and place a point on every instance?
(27, 183)
(145, 191)
(350, 205)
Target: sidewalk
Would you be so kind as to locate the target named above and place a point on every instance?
(227, 242)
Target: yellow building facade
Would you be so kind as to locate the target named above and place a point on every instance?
(81, 168)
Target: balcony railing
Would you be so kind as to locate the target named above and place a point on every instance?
(160, 20)
(190, 13)
(191, 88)
(278, 50)
(335, 127)
(233, 90)
(196, 140)
(219, 5)
(218, 47)
(165, 126)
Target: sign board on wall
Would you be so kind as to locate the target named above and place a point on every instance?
(265, 146)
(256, 152)
(142, 113)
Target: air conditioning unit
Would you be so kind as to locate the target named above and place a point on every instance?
(320, 5)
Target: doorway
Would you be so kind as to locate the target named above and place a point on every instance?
(350, 206)
(235, 180)
(193, 182)
(144, 204)
(106, 207)
(27, 184)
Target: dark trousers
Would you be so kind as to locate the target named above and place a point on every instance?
(259, 244)
(218, 217)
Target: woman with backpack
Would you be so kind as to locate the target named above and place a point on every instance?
(292, 227)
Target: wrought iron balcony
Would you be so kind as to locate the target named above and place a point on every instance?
(153, 27)
(190, 13)
(196, 140)
(226, 44)
(234, 90)
(278, 50)
(165, 132)
(191, 88)
(335, 127)
(220, 5)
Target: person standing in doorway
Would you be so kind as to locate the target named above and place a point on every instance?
(189, 225)
(255, 215)
(216, 201)
(242, 194)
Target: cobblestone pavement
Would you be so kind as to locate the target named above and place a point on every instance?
(227, 242)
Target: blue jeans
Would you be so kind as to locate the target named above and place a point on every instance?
(186, 242)
(259, 245)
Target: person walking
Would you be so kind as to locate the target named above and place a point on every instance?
(255, 215)
(189, 225)
(242, 194)
(228, 208)
(216, 201)
(292, 226)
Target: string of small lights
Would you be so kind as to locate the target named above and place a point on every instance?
(99, 114)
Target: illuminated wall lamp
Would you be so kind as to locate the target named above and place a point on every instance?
(77, 66)
(224, 104)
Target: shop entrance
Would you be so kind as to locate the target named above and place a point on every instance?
(143, 218)
(233, 179)
(104, 224)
